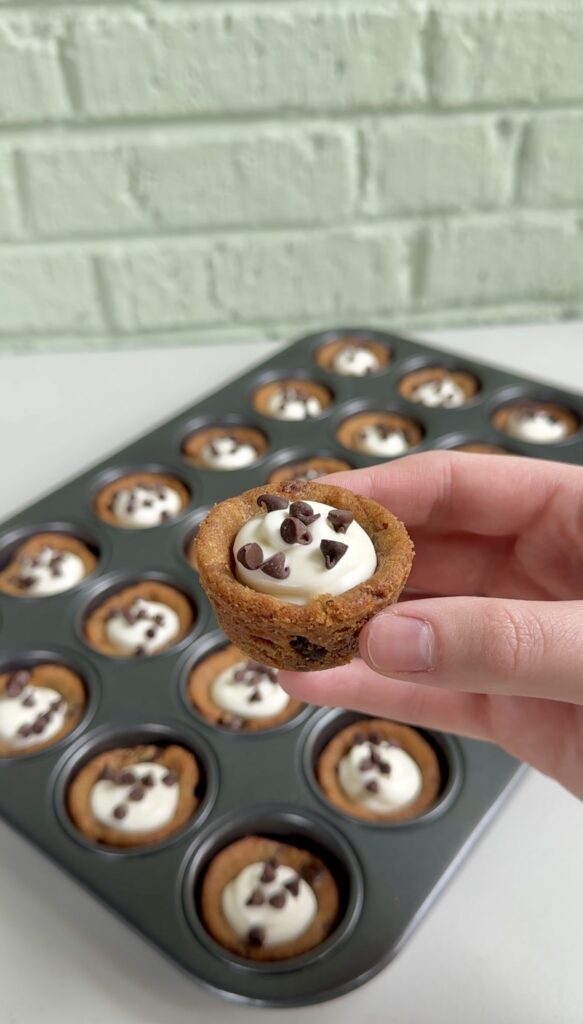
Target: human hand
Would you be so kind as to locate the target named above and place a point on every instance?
(505, 666)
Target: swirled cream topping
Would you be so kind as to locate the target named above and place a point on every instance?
(140, 798)
(299, 550)
(442, 394)
(51, 571)
(269, 903)
(143, 627)
(145, 505)
(228, 453)
(379, 439)
(249, 690)
(30, 714)
(536, 425)
(379, 776)
(355, 361)
(293, 403)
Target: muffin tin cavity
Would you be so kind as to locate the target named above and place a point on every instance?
(379, 434)
(308, 466)
(224, 445)
(46, 560)
(290, 826)
(354, 353)
(325, 726)
(140, 497)
(138, 617)
(535, 421)
(158, 744)
(439, 387)
(292, 399)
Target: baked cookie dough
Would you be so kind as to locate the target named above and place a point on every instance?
(137, 501)
(438, 388)
(379, 434)
(229, 690)
(482, 448)
(269, 901)
(379, 771)
(536, 422)
(292, 399)
(46, 564)
(353, 356)
(143, 619)
(133, 796)
(294, 571)
(38, 706)
(308, 469)
(225, 448)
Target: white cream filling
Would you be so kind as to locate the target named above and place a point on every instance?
(375, 440)
(142, 507)
(401, 786)
(228, 453)
(255, 696)
(51, 571)
(443, 394)
(283, 405)
(535, 425)
(140, 629)
(25, 709)
(353, 361)
(308, 574)
(281, 924)
(154, 810)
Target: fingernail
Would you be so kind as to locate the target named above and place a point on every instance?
(399, 643)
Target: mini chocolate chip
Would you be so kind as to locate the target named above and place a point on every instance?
(277, 900)
(269, 873)
(293, 531)
(57, 703)
(140, 651)
(372, 786)
(301, 510)
(150, 633)
(147, 503)
(256, 899)
(140, 615)
(148, 780)
(29, 702)
(126, 778)
(358, 738)
(25, 731)
(340, 519)
(384, 768)
(38, 726)
(367, 765)
(293, 886)
(159, 620)
(256, 936)
(276, 567)
(272, 502)
(165, 517)
(250, 556)
(375, 737)
(26, 582)
(120, 812)
(170, 779)
(333, 551)
(137, 793)
(308, 650)
(240, 675)
(254, 697)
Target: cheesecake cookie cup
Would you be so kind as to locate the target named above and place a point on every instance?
(353, 356)
(225, 448)
(308, 469)
(47, 564)
(139, 620)
(39, 705)
(439, 388)
(536, 422)
(294, 571)
(268, 901)
(138, 501)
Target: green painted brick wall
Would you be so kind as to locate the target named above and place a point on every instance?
(179, 170)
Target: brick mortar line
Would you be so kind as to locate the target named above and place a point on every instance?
(206, 237)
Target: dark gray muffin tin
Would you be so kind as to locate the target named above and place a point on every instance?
(252, 783)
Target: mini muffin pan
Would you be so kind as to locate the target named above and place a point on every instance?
(251, 782)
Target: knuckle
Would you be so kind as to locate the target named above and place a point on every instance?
(515, 641)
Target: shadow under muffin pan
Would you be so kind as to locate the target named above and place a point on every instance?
(257, 783)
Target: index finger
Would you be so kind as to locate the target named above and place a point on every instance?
(451, 491)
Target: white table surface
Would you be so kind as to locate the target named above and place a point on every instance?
(504, 941)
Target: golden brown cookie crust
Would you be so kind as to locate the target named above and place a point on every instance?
(227, 864)
(501, 416)
(295, 470)
(106, 495)
(173, 757)
(33, 546)
(263, 394)
(193, 446)
(54, 677)
(326, 353)
(324, 632)
(409, 739)
(482, 448)
(348, 433)
(149, 590)
(469, 384)
(200, 684)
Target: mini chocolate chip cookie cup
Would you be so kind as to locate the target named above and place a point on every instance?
(322, 632)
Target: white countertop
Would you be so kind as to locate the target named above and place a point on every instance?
(504, 941)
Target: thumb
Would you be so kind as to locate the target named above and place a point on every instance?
(481, 645)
